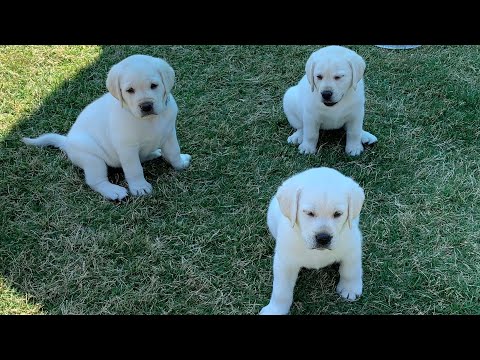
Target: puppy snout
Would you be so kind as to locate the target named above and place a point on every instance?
(146, 107)
(323, 240)
(327, 94)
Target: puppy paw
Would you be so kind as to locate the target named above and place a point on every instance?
(153, 155)
(350, 290)
(368, 138)
(112, 191)
(354, 149)
(296, 138)
(140, 188)
(184, 162)
(273, 310)
(157, 153)
(305, 148)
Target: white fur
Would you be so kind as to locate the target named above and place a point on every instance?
(342, 71)
(114, 131)
(303, 207)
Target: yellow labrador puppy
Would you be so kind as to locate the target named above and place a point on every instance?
(314, 218)
(133, 123)
(330, 96)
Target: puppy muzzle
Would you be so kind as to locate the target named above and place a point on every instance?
(146, 108)
(327, 98)
(323, 241)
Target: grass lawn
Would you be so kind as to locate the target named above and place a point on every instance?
(199, 244)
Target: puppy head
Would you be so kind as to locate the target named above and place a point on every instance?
(142, 84)
(332, 71)
(323, 203)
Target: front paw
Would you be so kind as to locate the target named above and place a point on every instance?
(296, 138)
(350, 290)
(306, 148)
(112, 191)
(273, 310)
(140, 188)
(354, 149)
(184, 162)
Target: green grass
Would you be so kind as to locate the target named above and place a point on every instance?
(12, 303)
(199, 244)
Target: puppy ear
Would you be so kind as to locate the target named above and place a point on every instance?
(113, 83)
(358, 68)
(356, 197)
(309, 70)
(287, 197)
(167, 74)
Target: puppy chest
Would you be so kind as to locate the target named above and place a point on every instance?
(151, 137)
(331, 121)
(316, 259)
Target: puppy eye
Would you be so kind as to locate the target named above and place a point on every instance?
(153, 86)
(131, 91)
(319, 77)
(337, 214)
(338, 77)
(310, 213)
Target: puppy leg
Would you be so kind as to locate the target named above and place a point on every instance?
(171, 153)
(354, 130)
(290, 107)
(130, 160)
(311, 127)
(96, 176)
(284, 279)
(350, 284)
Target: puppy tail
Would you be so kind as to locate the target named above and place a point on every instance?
(47, 140)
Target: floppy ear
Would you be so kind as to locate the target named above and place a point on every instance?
(356, 196)
(167, 74)
(358, 68)
(113, 83)
(309, 69)
(287, 196)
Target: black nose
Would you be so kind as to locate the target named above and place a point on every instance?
(323, 239)
(327, 94)
(146, 106)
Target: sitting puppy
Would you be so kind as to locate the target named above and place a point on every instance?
(329, 96)
(133, 123)
(314, 218)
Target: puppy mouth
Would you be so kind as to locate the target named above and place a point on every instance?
(320, 248)
(329, 103)
(152, 113)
